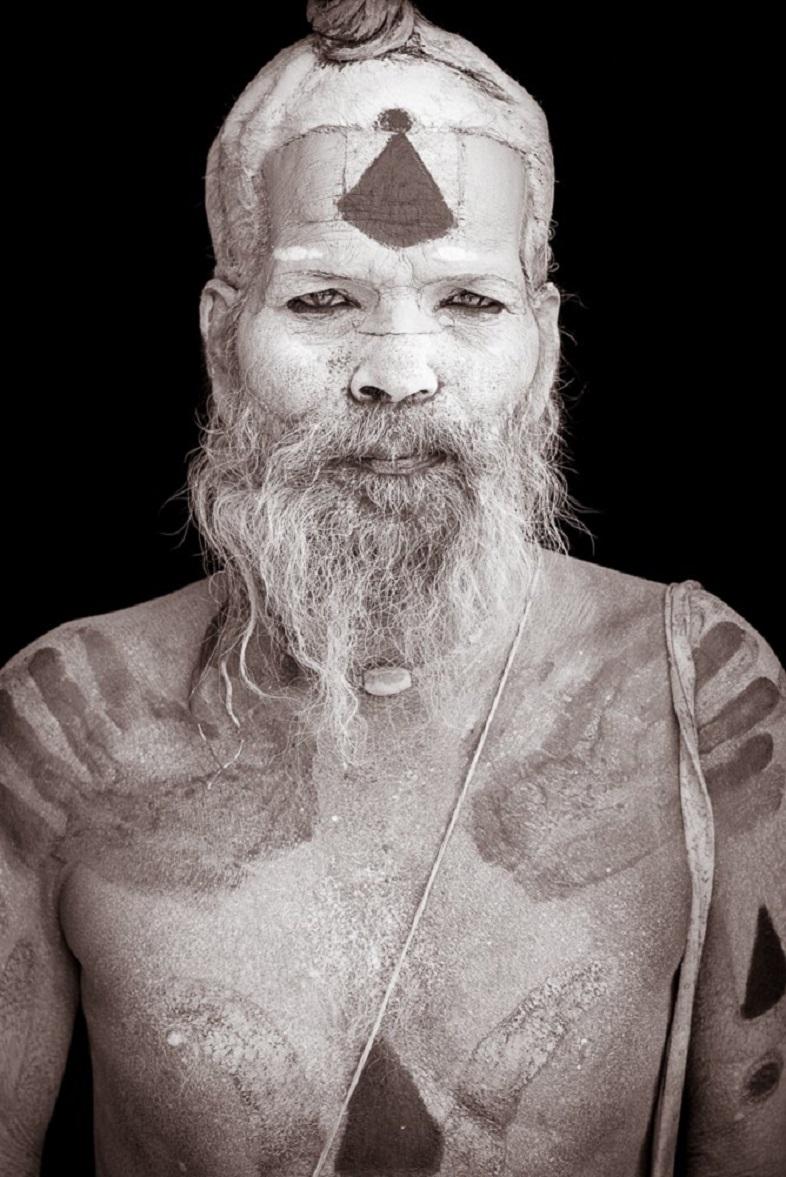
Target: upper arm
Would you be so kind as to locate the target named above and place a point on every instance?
(735, 1120)
(38, 974)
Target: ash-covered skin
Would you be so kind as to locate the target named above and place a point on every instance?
(17, 1006)
(228, 999)
(736, 1095)
(212, 1058)
(586, 784)
(121, 761)
(520, 1046)
(233, 952)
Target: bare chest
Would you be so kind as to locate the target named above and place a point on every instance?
(235, 953)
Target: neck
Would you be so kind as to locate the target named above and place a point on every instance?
(452, 689)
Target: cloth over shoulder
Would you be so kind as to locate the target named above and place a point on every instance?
(700, 850)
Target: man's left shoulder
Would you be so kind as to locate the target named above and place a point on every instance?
(587, 596)
(595, 607)
(728, 648)
(740, 706)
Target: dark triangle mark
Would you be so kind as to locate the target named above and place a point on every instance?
(767, 971)
(396, 200)
(389, 1131)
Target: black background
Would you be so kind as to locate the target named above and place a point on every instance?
(666, 146)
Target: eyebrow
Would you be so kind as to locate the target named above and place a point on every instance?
(332, 275)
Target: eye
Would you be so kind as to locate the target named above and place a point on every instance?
(469, 301)
(323, 300)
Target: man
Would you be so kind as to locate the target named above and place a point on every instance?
(387, 849)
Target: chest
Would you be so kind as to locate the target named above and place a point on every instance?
(532, 1009)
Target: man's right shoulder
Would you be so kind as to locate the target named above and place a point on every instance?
(158, 638)
(84, 694)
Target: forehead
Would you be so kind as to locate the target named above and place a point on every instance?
(449, 196)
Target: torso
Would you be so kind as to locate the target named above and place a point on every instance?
(235, 940)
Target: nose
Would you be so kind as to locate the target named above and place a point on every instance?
(393, 372)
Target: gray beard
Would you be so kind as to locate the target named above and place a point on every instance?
(342, 569)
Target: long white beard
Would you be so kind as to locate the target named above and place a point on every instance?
(345, 569)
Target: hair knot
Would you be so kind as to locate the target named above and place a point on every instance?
(355, 30)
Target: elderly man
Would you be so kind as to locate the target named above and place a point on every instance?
(404, 843)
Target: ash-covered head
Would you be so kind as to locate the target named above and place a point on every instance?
(376, 72)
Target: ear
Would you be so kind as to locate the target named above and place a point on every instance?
(545, 307)
(215, 306)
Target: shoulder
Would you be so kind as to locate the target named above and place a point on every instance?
(740, 686)
(740, 706)
(726, 647)
(88, 696)
(585, 596)
(159, 637)
(588, 603)
(596, 583)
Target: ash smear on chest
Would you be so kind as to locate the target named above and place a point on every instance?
(212, 1056)
(510, 1058)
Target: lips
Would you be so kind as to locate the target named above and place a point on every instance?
(406, 464)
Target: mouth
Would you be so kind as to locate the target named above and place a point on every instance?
(404, 464)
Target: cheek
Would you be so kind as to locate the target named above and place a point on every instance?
(489, 371)
(287, 374)
(485, 368)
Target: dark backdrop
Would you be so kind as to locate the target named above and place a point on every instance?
(665, 143)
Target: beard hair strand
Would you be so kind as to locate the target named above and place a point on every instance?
(339, 568)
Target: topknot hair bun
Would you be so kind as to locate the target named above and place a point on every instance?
(355, 30)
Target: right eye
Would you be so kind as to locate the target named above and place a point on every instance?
(323, 301)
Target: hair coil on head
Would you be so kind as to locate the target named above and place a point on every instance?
(356, 30)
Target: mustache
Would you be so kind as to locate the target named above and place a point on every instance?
(314, 445)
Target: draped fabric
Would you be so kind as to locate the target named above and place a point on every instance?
(700, 851)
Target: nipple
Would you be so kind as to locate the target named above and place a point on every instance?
(386, 680)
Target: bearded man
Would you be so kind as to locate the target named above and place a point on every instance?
(404, 843)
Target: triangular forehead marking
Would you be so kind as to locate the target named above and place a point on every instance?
(397, 201)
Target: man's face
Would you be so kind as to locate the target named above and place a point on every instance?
(338, 318)
(377, 469)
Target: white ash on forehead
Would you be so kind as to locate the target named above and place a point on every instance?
(361, 60)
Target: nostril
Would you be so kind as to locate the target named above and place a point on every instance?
(369, 393)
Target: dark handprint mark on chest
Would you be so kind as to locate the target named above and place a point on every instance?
(124, 762)
(593, 798)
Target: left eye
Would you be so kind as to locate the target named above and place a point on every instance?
(323, 301)
(470, 301)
